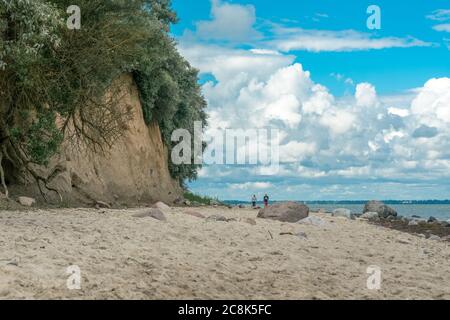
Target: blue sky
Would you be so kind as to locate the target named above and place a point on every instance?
(363, 113)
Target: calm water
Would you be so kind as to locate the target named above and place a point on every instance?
(439, 211)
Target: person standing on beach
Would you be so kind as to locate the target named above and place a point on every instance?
(266, 201)
(254, 199)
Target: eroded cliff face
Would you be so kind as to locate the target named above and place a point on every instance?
(134, 171)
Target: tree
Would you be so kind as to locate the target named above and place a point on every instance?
(53, 80)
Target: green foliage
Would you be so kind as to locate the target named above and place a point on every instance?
(195, 198)
(48, 71)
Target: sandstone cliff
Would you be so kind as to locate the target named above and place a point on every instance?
(134, 172)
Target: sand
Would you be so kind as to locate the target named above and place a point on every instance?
(124, 257)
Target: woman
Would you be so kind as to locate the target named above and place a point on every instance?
(266, 201)
(254, 199)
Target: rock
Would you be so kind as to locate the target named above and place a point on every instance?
(102, 205)
(343, 213)
(416, 217)
(241, 206)
(434, 238)
(214, 203)
(26, 202)
(314, 221)
(216, 218)
(302, 235)
(383, 210)
(178, 201)
(446, 238)
(370, 216)
(161, 206)
(186, 202)
(152, 213)
(432, 220)
(285, 212)
(445, 224)
(413, 223)
(250, 221)
(195, 214)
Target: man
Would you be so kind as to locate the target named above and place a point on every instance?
(266, 201)
(254, 199)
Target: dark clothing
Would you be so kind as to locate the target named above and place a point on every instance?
(266, 201)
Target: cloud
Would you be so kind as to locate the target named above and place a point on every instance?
(325, 139)
(359, 145)
(366, 95)
(292, 39)
(445, 27)
(229, 22)
(440, 15)
(251, 186)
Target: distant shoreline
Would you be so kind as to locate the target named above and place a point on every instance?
(349, 201)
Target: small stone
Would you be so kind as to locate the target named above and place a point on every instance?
(314, 221)
(26, 201)
(250, 221)
(161, 206)
(413, 223)
(434, 238)
(370, 216)
(101, 204)
(432, 219)
(195, 214)
(341, 212)
(302, 235)
(152, 213)
(216, 218)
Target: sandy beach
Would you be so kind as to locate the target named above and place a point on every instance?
(122, 256)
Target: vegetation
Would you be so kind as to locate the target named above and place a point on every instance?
(53, 80)
(195, 198)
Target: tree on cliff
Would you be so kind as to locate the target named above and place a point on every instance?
(53, 80)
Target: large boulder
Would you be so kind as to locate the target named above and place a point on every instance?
(285, 212)
(383, 210)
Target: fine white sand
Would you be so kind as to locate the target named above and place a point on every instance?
(124, 257)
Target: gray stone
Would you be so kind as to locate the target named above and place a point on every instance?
(285, 212)
(341, 212)
(370, 216)
(432, 219)
(413, 223)
(302, 235)
(383, 210)
(445, 224)
(26, 201)
(195, 214)
(434, 238)
(216, 218)
(102, 205)
(314, 221)
(250, 221)
(152, 213)
(161, 206)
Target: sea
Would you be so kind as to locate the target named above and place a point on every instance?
(424, 209)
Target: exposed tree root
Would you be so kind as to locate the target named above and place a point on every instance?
(14, 154)
(2, 176)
